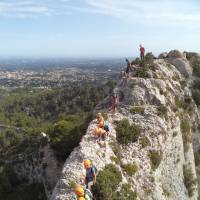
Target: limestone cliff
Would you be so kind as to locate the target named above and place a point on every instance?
(162, 107)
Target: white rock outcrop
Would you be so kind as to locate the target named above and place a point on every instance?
(160, 121)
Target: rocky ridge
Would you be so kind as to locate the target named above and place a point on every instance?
(162, 106)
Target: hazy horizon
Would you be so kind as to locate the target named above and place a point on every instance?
(97, 29)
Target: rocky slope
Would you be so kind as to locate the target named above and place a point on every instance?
(162, 107)
(40, 167)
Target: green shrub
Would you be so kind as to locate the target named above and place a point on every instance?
(108, 186)
(196, 96)
(34, 191)
(156, 158)
(162, 111)
(184, 104)
(137, 110)
(149, 57)
(189, 180)
(116, 148)
(166, 192)
(115, 159)
(176, 78)
(196, 85)
(169, 65)
(142, 71)
(191, 55)
(107, 183)
(196, 67)
(72, 184)
(197, 158)
(183, 83)
(127, 133)
(144, 141)
(136, 62)
(175, 133)
(163, 93)
(8, 178)
(130, 169)
(66, 134)
(186, 133)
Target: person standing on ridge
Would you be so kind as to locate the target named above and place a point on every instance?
(100, 120)
(91, 173)
(142, 52)
(114, 100)
(128, 68)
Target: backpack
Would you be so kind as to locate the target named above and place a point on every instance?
(106, 127)
(88, 193)
(95, 169)
(90, 174)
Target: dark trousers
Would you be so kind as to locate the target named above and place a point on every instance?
(142, 56)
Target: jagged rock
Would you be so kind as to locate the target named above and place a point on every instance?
(163, 55)
(43, 168)
(179, 60)
(175, 54)
(160, 122)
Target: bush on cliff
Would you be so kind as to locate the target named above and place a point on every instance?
(127, 133)
(196, 96)
(155, 158)
(108, 186)
(189, 180)
(186, 133)
(107, 183)
(66, 134)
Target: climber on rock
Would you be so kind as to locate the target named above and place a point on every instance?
(91, 173)
(102, 123)
(82, 193)
(101, 134)
(114, 101)
(142, 52)
(128, 68)
(123, 78)
(100, 120)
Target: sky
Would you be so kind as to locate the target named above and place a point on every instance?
(97, 28)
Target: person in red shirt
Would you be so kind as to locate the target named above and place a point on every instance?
(114, 103)
(142, 52)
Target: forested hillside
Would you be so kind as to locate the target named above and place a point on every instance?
(63, 114)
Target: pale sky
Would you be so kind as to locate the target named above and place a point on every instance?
(97, 28)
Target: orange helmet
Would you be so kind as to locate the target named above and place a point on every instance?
(79, 191)
(87, 164)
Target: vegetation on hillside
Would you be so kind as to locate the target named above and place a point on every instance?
(62, 113)
(108, 183)
(127, 133)
(58, 112)
(194, 59)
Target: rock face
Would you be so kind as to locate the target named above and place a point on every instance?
(175, 54)
(42, 167)
(179, 60)
(156, 105)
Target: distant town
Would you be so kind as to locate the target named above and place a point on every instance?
(56, 73)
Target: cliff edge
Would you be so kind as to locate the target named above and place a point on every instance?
(156, 159)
